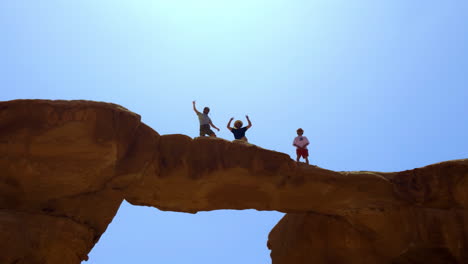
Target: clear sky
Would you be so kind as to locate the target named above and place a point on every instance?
(376, 85)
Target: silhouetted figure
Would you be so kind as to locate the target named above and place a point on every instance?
(205, 122)
(238, 130)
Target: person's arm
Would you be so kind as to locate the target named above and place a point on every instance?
(229, 124)
(194, 108)
(211, 123)
(294, 143)
(306, 144)
(250, 123)
(297, 146)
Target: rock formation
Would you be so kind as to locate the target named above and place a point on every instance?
(66, 166)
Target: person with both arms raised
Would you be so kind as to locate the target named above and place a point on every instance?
(238, 130)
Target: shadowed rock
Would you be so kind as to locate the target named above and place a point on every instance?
(66, 166)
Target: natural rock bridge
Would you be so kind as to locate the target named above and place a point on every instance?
(66, 166)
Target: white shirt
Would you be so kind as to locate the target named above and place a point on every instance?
(301, 141)
(204, 119)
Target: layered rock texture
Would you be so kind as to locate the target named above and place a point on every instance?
(66, 166)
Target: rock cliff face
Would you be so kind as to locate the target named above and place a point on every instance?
(65, 167)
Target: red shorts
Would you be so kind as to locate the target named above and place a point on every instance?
(302, 152)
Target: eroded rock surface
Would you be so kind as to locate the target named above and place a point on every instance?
(66, 166)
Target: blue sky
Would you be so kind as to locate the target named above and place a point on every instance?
(375, 85)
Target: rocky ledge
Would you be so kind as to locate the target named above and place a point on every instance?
(66, 166)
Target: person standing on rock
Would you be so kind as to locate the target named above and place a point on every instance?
(238, 130)
(301, 142)
(205, 122)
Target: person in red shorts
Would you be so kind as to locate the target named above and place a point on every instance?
(301, 142)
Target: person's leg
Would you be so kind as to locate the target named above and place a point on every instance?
(298, 155)
(205, 130)
(211, 133)
(307, 160)
(202, 131)
(306, 156)
(244, 139)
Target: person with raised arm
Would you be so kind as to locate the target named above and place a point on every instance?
(205, 122)
(238, 130)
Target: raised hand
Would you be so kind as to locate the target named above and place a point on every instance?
(250, 123)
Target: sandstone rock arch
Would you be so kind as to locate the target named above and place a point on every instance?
(65, 167)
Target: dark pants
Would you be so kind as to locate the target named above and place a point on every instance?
(205, 130)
